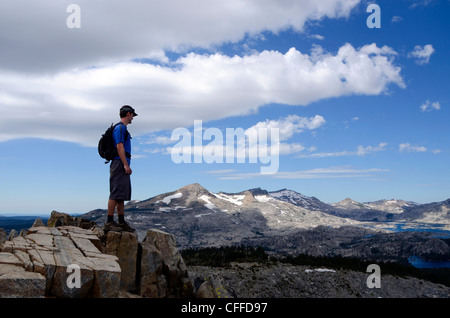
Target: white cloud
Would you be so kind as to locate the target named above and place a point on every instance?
(155, 139)
(331, 172)
(289, 125)
(418, 3)
(290, 148)
(396, 19)
(57, 79)
(360, 151)
(206, 87)
(317, 37)
(318, 173)
(422, 54)
(407, 147)
(370, 149)
(429, 106)
(35, 37)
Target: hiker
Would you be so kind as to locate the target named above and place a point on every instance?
(120, 171)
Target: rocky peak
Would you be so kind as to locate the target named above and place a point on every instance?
(348, 203)
(301, 200)
(194, 188)
(392, 206)
(258, 191)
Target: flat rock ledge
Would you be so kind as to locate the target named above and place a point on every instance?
(65, 261)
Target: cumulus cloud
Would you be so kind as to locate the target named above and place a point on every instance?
(55, 80)
(422, 54)
(196, 86)
(288, 126)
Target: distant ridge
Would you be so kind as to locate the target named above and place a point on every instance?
(199, 217)
(19, 222)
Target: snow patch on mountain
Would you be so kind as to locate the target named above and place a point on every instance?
(208, 203)
(236, 199)
(169, 198)
(263, 198)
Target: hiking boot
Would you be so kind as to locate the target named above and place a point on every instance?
(112, 226)
(126, 227)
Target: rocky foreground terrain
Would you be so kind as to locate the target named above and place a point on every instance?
(37, 263)
(66, 260)
(253, 280)
(283, 223)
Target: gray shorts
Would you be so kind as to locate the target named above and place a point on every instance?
(119, 182)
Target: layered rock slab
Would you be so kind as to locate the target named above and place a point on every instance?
(16, 282)
(55, 253)
(106, 264)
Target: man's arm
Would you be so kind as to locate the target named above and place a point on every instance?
(123, 157)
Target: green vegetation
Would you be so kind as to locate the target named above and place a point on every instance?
(223, 256)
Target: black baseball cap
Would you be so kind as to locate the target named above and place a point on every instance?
(128, 108)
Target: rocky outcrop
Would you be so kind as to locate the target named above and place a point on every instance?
(61, 219)
(163, 272)
(125, 246)
(55, 253)
(152, 268)
(3, 236)
(70, 261)
(212, 287)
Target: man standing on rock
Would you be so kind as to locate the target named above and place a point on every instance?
(120, 171)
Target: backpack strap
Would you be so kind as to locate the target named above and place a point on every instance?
(127, 154)
(120, 123)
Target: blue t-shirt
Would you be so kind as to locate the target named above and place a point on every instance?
(120, 135)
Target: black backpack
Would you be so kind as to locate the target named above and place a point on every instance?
(106, 148)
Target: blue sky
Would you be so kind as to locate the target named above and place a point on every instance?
(363, 112)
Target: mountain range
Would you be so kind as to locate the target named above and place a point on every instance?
(200, 218)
